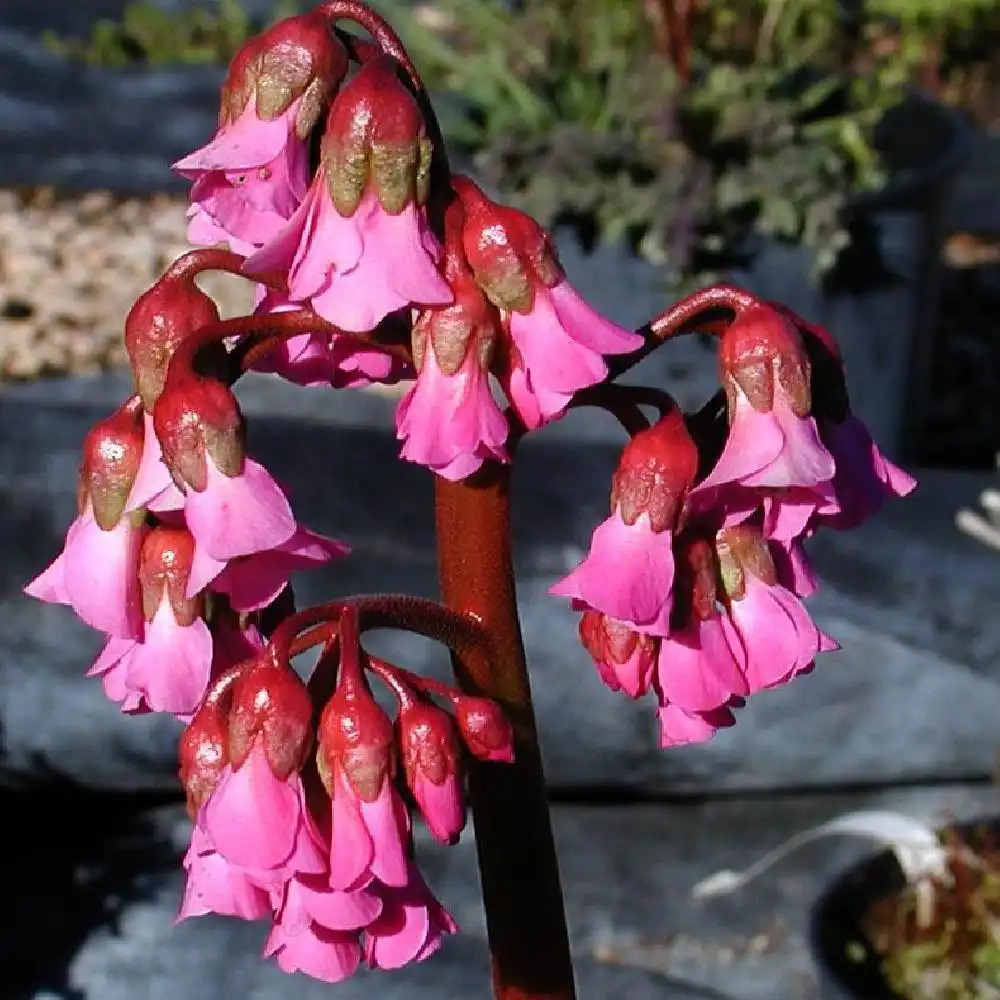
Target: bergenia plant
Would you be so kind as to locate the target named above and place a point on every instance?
(327, 186)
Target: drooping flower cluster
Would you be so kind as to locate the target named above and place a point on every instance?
(693, 587)
(320, 842)
(355, 241)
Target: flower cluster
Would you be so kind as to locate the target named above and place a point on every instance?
(693, 586)
(314, 834)
(353, 241)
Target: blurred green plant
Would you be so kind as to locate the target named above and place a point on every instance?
(150, 35)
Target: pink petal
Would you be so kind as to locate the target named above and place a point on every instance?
(755, 441)
(172, 665)
(330, 956)
(804, 460)
(699, 668)
(152, 478)
(204, 569)
(101, 573)
(215, 886)
(239, 515)
(793, 569)
(338, 910)
(112, 653)
(588, 327)
(252, 816)
(351, 848)
(247, 142)
(277, 256)
(442, 806)
(50, 584)
(678, 727)
(628, 574)
(388, 836)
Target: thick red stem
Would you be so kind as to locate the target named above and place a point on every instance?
(525, 918)
(376, 26)
(208, 259)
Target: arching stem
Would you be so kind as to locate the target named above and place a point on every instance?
(525, 918)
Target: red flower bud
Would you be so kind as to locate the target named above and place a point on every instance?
(271, 702)
(203, 756)
(375, 131)
(194, 416)
(432, 763)
(657, 468)
(624, 657)
(156, 324)
(356, 736)
(484, 728)
(165, 565)
(112, 451)
(298, 57)
(509, 253)
(762, 355)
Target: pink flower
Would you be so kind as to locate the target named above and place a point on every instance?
(865, 478)
(628, 574)
(97, 575)
(774, 449)
(261, 822)
(369, 838)
(700, 666)
(561, 342)
(215, 886)
(354, 270)
(248, 180)
(451, 423)
(411, 926)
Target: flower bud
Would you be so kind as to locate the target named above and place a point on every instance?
(298, 57)
(741, 550)
(375, 132)
(112, 452)
(431, 761)
(156, 324)
(164, 566)
(356, 737)
(195, 416)
(203, 756)
(762, 355)
(271, 702)
(485, 729)
(624, 658)
(697, 579)
(509, 253)
(657, 468)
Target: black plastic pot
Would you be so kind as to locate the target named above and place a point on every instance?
(848, 968)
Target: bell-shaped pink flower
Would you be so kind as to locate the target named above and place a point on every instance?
(628, 574)
(215, 886)
(561, 343)
(701, 666)
(354, 270)
(259, 821)
(97, 575)
(411, 926)
(679, 727)
(248, 180)
(451, 423)
(865, 478)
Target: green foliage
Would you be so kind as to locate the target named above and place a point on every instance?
(147, 34)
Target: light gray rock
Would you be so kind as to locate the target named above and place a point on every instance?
(107, 894)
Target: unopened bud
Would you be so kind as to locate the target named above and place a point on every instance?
(356, 738)
(761, 354)
(164, 567)
(296, 58)
(741, 550)
(157, 323)
(112, 452)
(203, 756)
(375, 132)
(432, 763)
(657, 468)
(509, 253)
(484, 728)
(624, 658)
(271, 702)
(193, 417)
